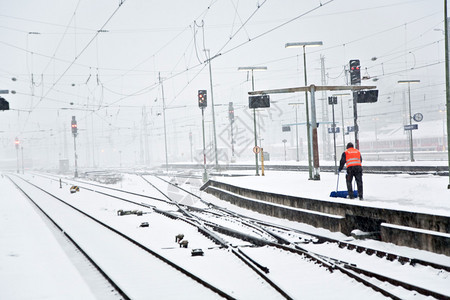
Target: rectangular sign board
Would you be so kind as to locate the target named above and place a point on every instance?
(259, 101)
(411, 127)
(285, 128)
(336, 130)
(366, 96)
(4, 91)
(332, 100)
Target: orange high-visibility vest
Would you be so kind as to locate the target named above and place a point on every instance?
(353, 157)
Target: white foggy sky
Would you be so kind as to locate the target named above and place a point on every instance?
(148, 37)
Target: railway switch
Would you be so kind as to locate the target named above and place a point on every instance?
(197, 252)
(184, 244)
(179, 238)
(122, 212)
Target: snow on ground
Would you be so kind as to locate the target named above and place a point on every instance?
(32, 263)
(28, 251)
(419, 193)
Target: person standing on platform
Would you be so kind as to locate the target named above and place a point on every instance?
(352, 159)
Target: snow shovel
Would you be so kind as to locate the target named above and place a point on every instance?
(341, 194)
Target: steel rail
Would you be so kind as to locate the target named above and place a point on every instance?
(146, 249)
(97, 267)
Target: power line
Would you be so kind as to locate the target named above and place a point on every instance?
(74, 60)
(62, 37)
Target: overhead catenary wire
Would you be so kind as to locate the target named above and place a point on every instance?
(62, 37)
(146, 91)
(73, 61)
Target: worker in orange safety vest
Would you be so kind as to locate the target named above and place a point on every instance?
(352, 159)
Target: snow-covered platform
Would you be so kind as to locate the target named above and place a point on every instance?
(418, 205)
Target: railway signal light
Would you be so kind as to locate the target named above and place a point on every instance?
(17, 143)
(355, 71)
(202, 103)
(231, 111)
(74, 126)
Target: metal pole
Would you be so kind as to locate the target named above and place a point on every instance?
(23, 167)
(212, 110)
(296, 130)
(343, 130)
(334, 139)
(75, 151)
(190, 142)
(17, 152)
(205, 175)
(411, 151)
(93, 139)
(164, 119)
(254, 130)
(447, 86)
(262, 161)
(308, 134)
(256, 142)
(314, 134)
(355, 120)
(232, 141)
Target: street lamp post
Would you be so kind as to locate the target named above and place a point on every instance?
(254, 110)
(304, 45)
(411, 150)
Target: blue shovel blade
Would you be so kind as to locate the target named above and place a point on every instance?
(342, 194)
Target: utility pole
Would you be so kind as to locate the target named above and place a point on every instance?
(231, 118)
(212, 109)
(164, 118)
(146, 145)
(325, 137)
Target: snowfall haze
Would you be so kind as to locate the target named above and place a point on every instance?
(120, 66)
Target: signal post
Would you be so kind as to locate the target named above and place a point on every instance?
(75, 133)
(202, 103)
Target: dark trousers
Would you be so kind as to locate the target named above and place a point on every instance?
(356, 172)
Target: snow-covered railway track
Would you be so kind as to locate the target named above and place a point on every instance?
(269, 288)
(363, 274)
(240, 232)
(385, 282)
(147, 275)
